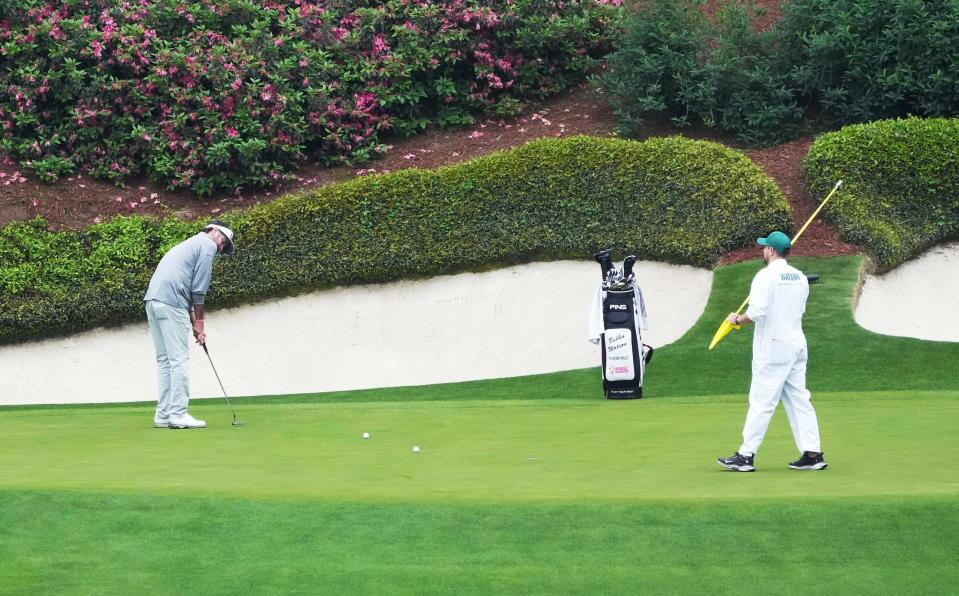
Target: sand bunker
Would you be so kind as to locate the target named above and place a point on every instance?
(515, 321)
(920, 298)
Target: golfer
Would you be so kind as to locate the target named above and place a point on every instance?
(174, 300)
(777, 301)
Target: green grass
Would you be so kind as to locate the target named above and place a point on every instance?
(59, 543)
(526, 451)
(620, 498)
(526, 485)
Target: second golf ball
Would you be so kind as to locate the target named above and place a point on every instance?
(366, 435)
(416, 449)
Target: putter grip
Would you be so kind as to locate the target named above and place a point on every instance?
(204, 348)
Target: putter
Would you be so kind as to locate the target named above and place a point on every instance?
(235, 421)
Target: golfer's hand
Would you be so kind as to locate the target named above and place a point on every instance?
(198, 331)
(732, 318)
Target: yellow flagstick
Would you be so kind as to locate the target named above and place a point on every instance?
(726, 326)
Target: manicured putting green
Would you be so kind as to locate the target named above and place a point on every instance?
(894, 443)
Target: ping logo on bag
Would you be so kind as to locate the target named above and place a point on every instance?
(614, 306)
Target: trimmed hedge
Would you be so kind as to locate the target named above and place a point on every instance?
(900, 190)
(665, 199)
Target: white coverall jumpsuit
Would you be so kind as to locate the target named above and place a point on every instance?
(777, 301)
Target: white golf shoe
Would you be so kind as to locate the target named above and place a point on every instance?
(186, 421)
(161, 422)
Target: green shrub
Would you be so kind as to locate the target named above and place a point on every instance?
(900, 190)
(862, 60)
(826, 62)
(671, 61)
(667, 199)
(651, 69)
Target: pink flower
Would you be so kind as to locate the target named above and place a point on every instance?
(477, 134)
(364, 101)
(231, 132)
(379, 45)
(132, 204)
(147, 137)
(35, 203)
(97, 49)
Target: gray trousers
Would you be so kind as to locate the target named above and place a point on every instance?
(170, 328)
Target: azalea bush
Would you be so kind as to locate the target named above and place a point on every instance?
(215, 94)
(666, 199)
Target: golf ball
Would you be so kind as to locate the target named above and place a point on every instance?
(366, 435)
(416, 449)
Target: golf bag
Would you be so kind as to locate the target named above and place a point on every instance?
(624, 354)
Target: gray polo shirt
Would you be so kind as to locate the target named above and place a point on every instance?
(183, 276)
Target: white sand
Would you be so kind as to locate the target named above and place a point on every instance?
(515, 321)
(920, 298)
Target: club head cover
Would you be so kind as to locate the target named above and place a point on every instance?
(605, 260)
(628, 263)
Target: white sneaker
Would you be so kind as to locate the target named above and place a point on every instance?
(186, 421)
(161, 422)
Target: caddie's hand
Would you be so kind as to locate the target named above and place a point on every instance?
(732, 318)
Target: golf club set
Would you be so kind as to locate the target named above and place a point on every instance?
(624, 354)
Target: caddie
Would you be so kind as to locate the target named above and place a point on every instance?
(777, 301)
(174, 302)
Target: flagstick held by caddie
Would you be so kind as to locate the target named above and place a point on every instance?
(726, 326)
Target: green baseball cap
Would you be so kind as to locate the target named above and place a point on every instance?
(779, 241)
